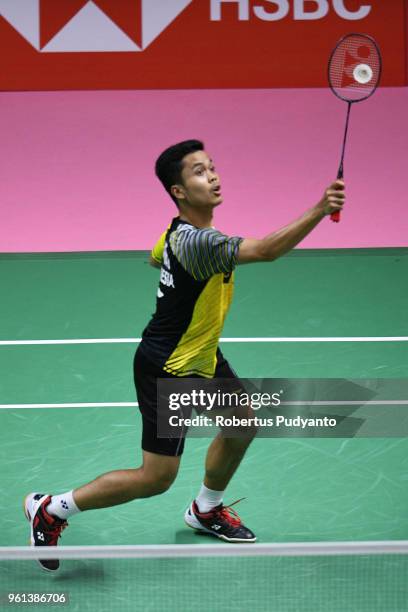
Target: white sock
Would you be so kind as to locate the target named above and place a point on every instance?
(63, 506)
(207, 499)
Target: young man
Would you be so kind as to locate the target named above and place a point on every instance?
(194, 294)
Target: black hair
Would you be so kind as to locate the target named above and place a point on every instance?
(169, 164)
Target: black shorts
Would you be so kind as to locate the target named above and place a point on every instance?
(145, 375)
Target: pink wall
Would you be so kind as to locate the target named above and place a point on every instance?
(77, 167)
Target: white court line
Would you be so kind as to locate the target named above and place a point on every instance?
(403, 402)
(259, 339)
(73, 405)
(347, 403)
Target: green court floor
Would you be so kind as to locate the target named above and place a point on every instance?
(296, 489)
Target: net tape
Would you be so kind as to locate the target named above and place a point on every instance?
(151, 551)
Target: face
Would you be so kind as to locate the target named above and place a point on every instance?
(200, 183)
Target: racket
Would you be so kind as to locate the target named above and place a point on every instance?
(354, 73)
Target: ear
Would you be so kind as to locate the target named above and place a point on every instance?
(178, 192)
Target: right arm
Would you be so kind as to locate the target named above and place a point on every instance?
(280, 242)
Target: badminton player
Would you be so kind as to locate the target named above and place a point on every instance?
(195, 290)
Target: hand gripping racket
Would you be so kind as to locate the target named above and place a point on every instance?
(354, 73)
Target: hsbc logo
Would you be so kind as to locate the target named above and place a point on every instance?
(95, 26)
(91, 28)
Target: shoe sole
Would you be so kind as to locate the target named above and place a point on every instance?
(27, 514)
(188, 515)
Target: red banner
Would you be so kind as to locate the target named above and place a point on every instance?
(149, 44)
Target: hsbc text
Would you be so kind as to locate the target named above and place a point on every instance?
(302, 10)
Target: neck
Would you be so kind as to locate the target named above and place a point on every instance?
(201, 217)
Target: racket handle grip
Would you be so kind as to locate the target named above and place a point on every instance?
(335, 216)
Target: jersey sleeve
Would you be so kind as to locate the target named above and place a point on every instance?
(204, 252)
(157, 251)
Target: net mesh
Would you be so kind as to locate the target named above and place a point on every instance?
(322, 583)
(356, 58)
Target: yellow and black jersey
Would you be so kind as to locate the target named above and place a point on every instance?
(193, 298)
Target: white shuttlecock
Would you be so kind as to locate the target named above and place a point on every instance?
(363, 74)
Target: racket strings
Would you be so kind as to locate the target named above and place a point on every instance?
(355, 68)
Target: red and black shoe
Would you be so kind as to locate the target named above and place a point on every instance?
(221, 521)
(45, 529)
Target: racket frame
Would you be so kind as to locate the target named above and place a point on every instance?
(335, 216)
(377, 48)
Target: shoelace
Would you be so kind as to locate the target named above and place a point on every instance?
(55, 533)
(230, 515)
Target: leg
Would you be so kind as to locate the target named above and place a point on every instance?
(155, 476)
(225, 454)
(223, 458)
(161, 457)
(207, 513)
(48, 514)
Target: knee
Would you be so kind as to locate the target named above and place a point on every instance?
(244, 429)
(249, 433)
(242, 438)
(159, 483)
(163, 484)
